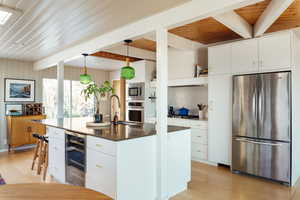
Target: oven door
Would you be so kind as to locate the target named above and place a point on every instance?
(135, 114)
(134, 92)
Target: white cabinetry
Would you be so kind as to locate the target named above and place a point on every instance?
(199, 138)
(57, 153)
(220, 118)
(113, 166)
(275, 51)
(219, 59)
(269, 53)
(245, 56)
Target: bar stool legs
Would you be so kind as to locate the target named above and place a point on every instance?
(41, 154)
(36, 150)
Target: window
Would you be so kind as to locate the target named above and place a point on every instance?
(74, 103)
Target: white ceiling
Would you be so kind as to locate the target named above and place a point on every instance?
(97, 63)
(48, 26)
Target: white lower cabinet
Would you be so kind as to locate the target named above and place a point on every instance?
(57, 154)
(101, 172)
(199, 138)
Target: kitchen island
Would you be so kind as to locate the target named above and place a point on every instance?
(120, 160)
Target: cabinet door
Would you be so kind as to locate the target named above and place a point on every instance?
(275, 52)
(219, 59)
(20, 132)
(220, 119)
(101, 172)
(245, 56)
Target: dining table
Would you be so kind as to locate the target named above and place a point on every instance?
(48, 191)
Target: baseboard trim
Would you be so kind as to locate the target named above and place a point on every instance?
(205, 162)
(19, 148)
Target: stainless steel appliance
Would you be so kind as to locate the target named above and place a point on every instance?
(261, 143)
(135, 111)
(136, 91)
(75, 158)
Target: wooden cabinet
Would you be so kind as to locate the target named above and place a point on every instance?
(219, 59)
(245, 56)
(220, 119)
(275, 52)
(20, 130)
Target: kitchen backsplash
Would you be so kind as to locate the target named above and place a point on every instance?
(188, 97)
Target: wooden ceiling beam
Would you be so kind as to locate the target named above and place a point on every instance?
(113, 56)
(133, 52)
(269, 16)
(236, 23)
(178, 42)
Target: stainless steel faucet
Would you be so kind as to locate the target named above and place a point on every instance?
(116, 118)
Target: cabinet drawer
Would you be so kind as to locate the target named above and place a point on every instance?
(101, 145)
(201, 139)
(199, 124)
(101, 172)
(199, 151)
(199, 135)
(56, 133)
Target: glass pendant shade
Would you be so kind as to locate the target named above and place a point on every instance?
(127, 72)
(85, 78)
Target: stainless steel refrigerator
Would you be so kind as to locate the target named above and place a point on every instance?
(261, 138)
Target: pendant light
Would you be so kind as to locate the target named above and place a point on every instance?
(85, 78)
(127, 72)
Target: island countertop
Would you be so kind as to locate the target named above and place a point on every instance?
(112, 132)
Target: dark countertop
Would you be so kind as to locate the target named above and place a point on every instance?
(113, 132)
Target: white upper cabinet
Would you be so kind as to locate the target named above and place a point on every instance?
(275, 52)
(245, 56)
(219, 59)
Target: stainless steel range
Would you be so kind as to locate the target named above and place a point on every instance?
(261, 143)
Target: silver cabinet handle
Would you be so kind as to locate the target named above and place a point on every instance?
(255, 142)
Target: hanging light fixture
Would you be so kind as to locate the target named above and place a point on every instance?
(85, 78)
(127, 72)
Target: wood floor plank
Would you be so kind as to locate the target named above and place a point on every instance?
(208, 182)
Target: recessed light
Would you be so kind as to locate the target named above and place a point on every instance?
(4, 16)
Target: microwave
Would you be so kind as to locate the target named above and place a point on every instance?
(135, 91)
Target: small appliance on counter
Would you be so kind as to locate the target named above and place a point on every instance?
(183, 111)
(171, 111)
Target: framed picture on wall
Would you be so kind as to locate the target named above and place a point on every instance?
(19, 90)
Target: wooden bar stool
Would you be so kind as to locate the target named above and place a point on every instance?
(43, 156)
(37, 149)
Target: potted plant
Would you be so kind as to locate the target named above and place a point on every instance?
(99, 93)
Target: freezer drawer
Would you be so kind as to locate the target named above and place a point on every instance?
(262, 158)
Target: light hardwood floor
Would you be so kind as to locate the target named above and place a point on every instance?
(208, 182)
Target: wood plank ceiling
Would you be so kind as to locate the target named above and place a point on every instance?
(209, 30)
(49, 26)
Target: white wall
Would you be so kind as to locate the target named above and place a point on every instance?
(24, 70)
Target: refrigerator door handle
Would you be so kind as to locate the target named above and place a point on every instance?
(256, 142)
